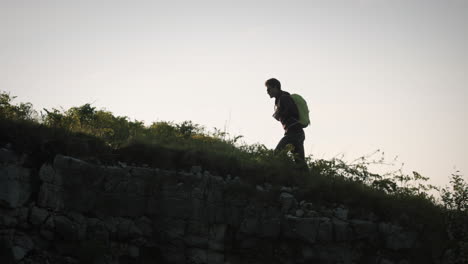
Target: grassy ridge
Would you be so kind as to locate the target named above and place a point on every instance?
(100, 137)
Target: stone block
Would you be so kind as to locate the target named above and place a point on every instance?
(69, 230)
(364, 229)
(396, 237)
(8, 218)
(7, 156)
(37, 216)
(47, 174)
(288, 202)
(51, 196)
(305, 229)
(325, 230)
(342, 231)
(15, 186)
(199, 256)
(341, 213)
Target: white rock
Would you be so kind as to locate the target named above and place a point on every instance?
(341, 213)
(287, 201)
(299, 213)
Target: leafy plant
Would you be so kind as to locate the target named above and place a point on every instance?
(23, 111)
(455, 201)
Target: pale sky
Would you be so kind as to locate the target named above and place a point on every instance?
(377, 74)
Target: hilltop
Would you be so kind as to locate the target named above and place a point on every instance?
(98, 140)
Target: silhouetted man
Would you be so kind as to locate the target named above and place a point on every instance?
(286, 112)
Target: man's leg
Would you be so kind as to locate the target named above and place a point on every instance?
(283, 142)
(299, 151)
(297, 140)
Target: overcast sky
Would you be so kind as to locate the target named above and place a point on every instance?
(377, 74)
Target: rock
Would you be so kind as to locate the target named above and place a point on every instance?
(15, 244)
(386, 261)
(81, 183)
(330, 254)
(364, 229)
(269, 223)
(249, 225)
(7, 221)
(300, 213)
(200, 241)
(47, 234)
(123, 195)
(126, 229)
(199, 256)
(70, 260)
(196, 169)
(8, 218)
(306, 206)
(7, 156)
(18, 253)
(49, 224)
(228, 178)
(51, 191)
(97, 231)
(133, 251)
(145, 225)
(110, 223)
(396, 238)
(216, 237)
(69, 230)
(51, 196)
(16, 186)
(342, 230)
(325, 230)
(38, 216)
(24, 241)
(47, 174)
(22, 217)
(372, 217)
(341, 213)
(122, 164)
(135, 213)
(64, 227)
(305, 229)
(287, 201)
(308, 253)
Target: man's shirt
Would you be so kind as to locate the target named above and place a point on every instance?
(287, 113)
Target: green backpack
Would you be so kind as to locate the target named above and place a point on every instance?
(302, 109)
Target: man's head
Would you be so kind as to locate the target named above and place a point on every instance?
(273, 87)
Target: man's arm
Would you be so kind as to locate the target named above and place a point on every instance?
(285, 108)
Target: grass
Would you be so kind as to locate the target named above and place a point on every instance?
(254, 166)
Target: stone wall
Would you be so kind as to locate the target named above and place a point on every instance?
(71, 211)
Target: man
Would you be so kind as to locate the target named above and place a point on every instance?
(286, 112)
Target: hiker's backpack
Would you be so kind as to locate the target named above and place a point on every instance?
(302, 109)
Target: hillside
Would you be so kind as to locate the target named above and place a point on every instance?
(85, 186)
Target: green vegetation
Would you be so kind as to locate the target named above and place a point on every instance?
(99, 136)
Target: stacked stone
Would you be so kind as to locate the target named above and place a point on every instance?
(76, 212)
